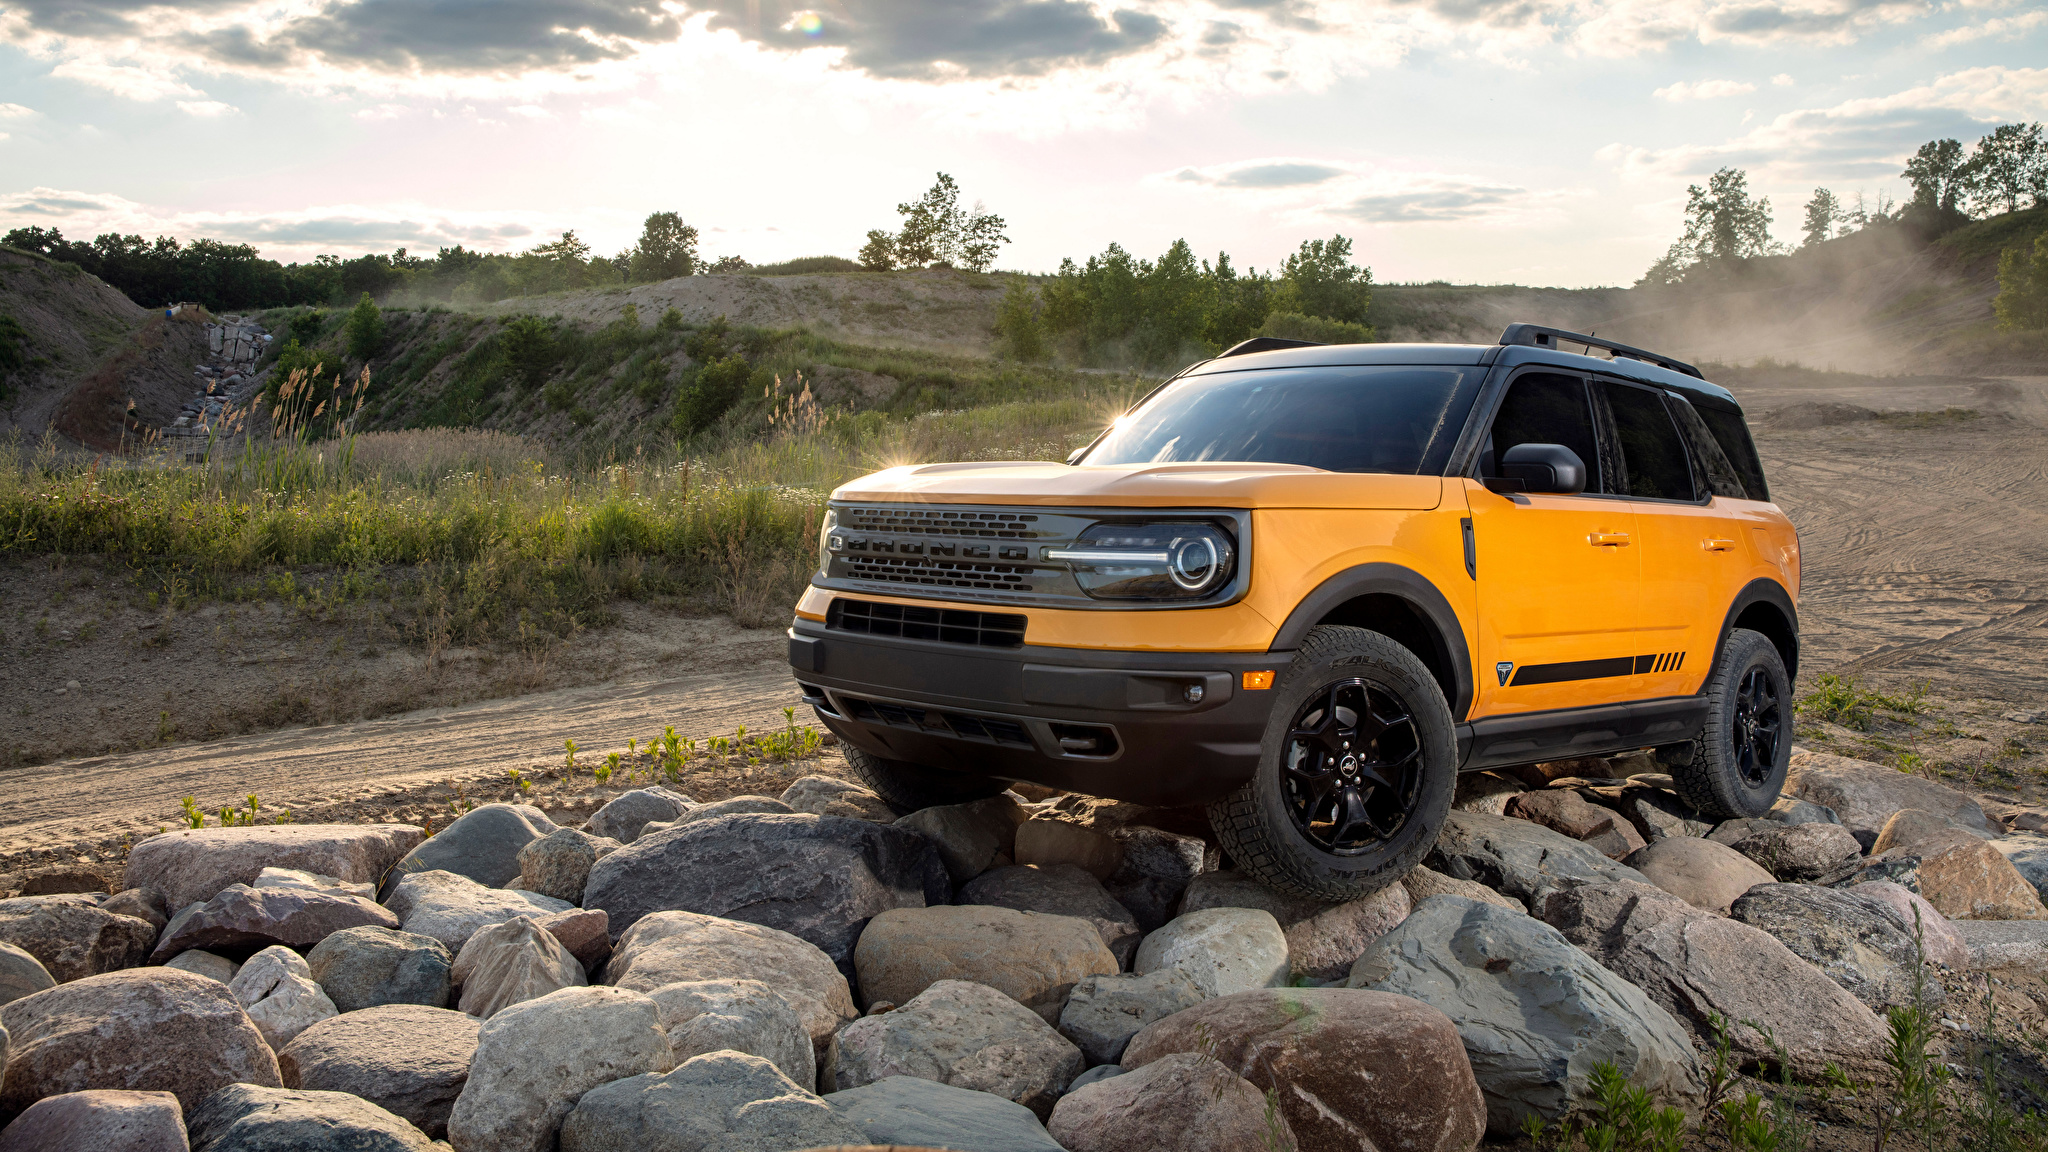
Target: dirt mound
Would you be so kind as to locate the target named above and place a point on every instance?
(74, 322)
(1815, 414)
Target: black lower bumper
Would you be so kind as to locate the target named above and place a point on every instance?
(1106, 723)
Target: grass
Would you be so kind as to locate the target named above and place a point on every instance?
(1843, 700)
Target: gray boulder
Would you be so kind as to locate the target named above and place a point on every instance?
(483, 844)
(1658, 814)
(1797, 852)
(191, 865)
(1535, 1012)
(624, 817)
(408, 1059)
(140, 903)
(1058, 890)
(1865, 796)
(71, 936)
(1793, 810)
(1185, 1102)
(1699, 871)
(275, 877)
(277, 990)
(825, 796)
(910, 1111)
(535, 1059)
(508, 963)
(736, 1015)
(1855, 939)
(820, 878)
(450, 908)
(557, 864)
(731, 806)
(972, 837)
(1157, 868)
(244, 919)
(674, 947)
(2028, 854)
(1032, 958)
(1523, 860)
(21, 974)
(1940, 941)
(1423, 882)
(1219, 950)
(101, 1120)
(1323, 938)
(1098, 1073)
(2019, 947)
(363, 967)
(248, 1118)
(202, 963)
(965, 1035)
(718, 1102)
(1104, 1012)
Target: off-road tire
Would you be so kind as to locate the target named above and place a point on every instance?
(1254, 823)
(1722, 775)
(908, 787)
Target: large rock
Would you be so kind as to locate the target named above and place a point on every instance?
(1696, 964)
(1864, 796)
(740, 1016)
(1700, 872)
(1104, 1012)
(1855, 939)
(825, 796)
(507, 963)
(192, 865)
(1792, 810)
(718, 1102)
(969, 837)
(363, 967)
(2015, 946)
(1795, 852)
(1058, 890)
(140, 903)
(557, 864)
(1565, 811)
(962, 1034)
(535, 1059)
(408, 1059)
(248, 1118)
(1186, 1102)
(1046, 839)
(2027, 852)
(1157, 868)
(145, 1029)
(912, 1112)
(274, 877)
(1219, 950)
(483, 844)
(1323, 939)
(1518, 858)
(820, 878)
(242, 919)
(71, 937)
(624, 816)
(730, 806)
(1940, 941)
(673, 947)
(1032, 958)
(585, 932)
(99, 1120)
(1351, 1069)
(1658, 814)
(203, 963)
(1963, 876)
(1422, 883)
(450, 908)
(1536, 1013)
(277, 990)
(21, 974)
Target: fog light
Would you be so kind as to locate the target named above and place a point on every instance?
(1193, 693)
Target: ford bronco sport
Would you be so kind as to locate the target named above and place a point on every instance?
(1307, 585)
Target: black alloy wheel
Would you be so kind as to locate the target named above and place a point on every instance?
(1759, 725)
(1352, 767)
(1737, 764)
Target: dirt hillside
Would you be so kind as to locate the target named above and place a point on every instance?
(74, 322)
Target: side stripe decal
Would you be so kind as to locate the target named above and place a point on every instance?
(1602, 669)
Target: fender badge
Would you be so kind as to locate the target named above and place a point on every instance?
(1502, 669)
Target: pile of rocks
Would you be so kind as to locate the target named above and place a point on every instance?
(816, 970)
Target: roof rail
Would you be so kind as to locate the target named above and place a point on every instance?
(1536, 335)
(1266, 344)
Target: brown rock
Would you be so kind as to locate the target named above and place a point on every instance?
(1353, 1069)
(1034, 959)
(1563, 811)
(243, 919)
(585, 932)
(145, 1029)
(508, 963)
(675, 947)
(20, 975)
(1323, 939)
(1058, 890)
(1422, 883)
(408, 1059)
(72, 936)
(140, 903)
(1486, 792)
(1050, 840)
(1700, 872)
(1865, 796)
(1185, 1102)
(102, 1119)
(1939, 939)
(56, 881)
(191, 865)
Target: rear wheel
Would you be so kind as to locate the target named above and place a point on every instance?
(908, 787)
(1355, 773)
(1737, 764)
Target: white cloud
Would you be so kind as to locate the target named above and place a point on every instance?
(206, 108)
(1702, 90)
(1311, 189)
(1783, 80)
(15, 112)
(1998, 27)
(128, 81)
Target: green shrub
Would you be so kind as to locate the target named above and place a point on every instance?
(2022, 302)
(306, 326)
(530, 348)
(365, 329)
(1020, 334)
(559, 395)
(715, 387)
(1295, 326)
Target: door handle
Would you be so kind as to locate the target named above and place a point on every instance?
(1608, 539)
(1718, 544)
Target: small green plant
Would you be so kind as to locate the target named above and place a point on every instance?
(1917, 1077)
(1623, 1118)
(163, 727)
(569, 765)
(194, 818)
(519, 781)
(606, 770)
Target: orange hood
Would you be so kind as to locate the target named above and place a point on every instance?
(1217, 485)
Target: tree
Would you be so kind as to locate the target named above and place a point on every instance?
(1319, 279)
(1020, 334)
(2009, 169)
(2022, 302)
(936, 230)
(879, 253)
(979, 238)
(1937, 173)
(365, 329)
(667, 249)
(1724, 225)
(568, 249)
(1822, 213)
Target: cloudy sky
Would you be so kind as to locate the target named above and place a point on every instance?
(1532, 141)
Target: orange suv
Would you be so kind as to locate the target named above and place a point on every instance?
(1307, 585)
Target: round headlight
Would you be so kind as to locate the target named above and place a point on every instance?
(1165, 560)
(1194, 562)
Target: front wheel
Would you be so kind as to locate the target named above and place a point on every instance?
(1737, 764)
(908, 787)
(1355, 773)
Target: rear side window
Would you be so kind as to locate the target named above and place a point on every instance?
(1733, 436)
(1653, 461)
(1715, 471)
(1541, 408)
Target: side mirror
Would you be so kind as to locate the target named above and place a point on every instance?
(1547, 468)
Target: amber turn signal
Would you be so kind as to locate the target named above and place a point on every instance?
(1258, 680)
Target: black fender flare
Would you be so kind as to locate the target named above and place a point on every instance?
(1772, 594)
(1404, 584)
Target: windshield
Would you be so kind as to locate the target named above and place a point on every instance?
(1378, 418)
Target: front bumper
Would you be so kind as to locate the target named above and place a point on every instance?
(1101, 722)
